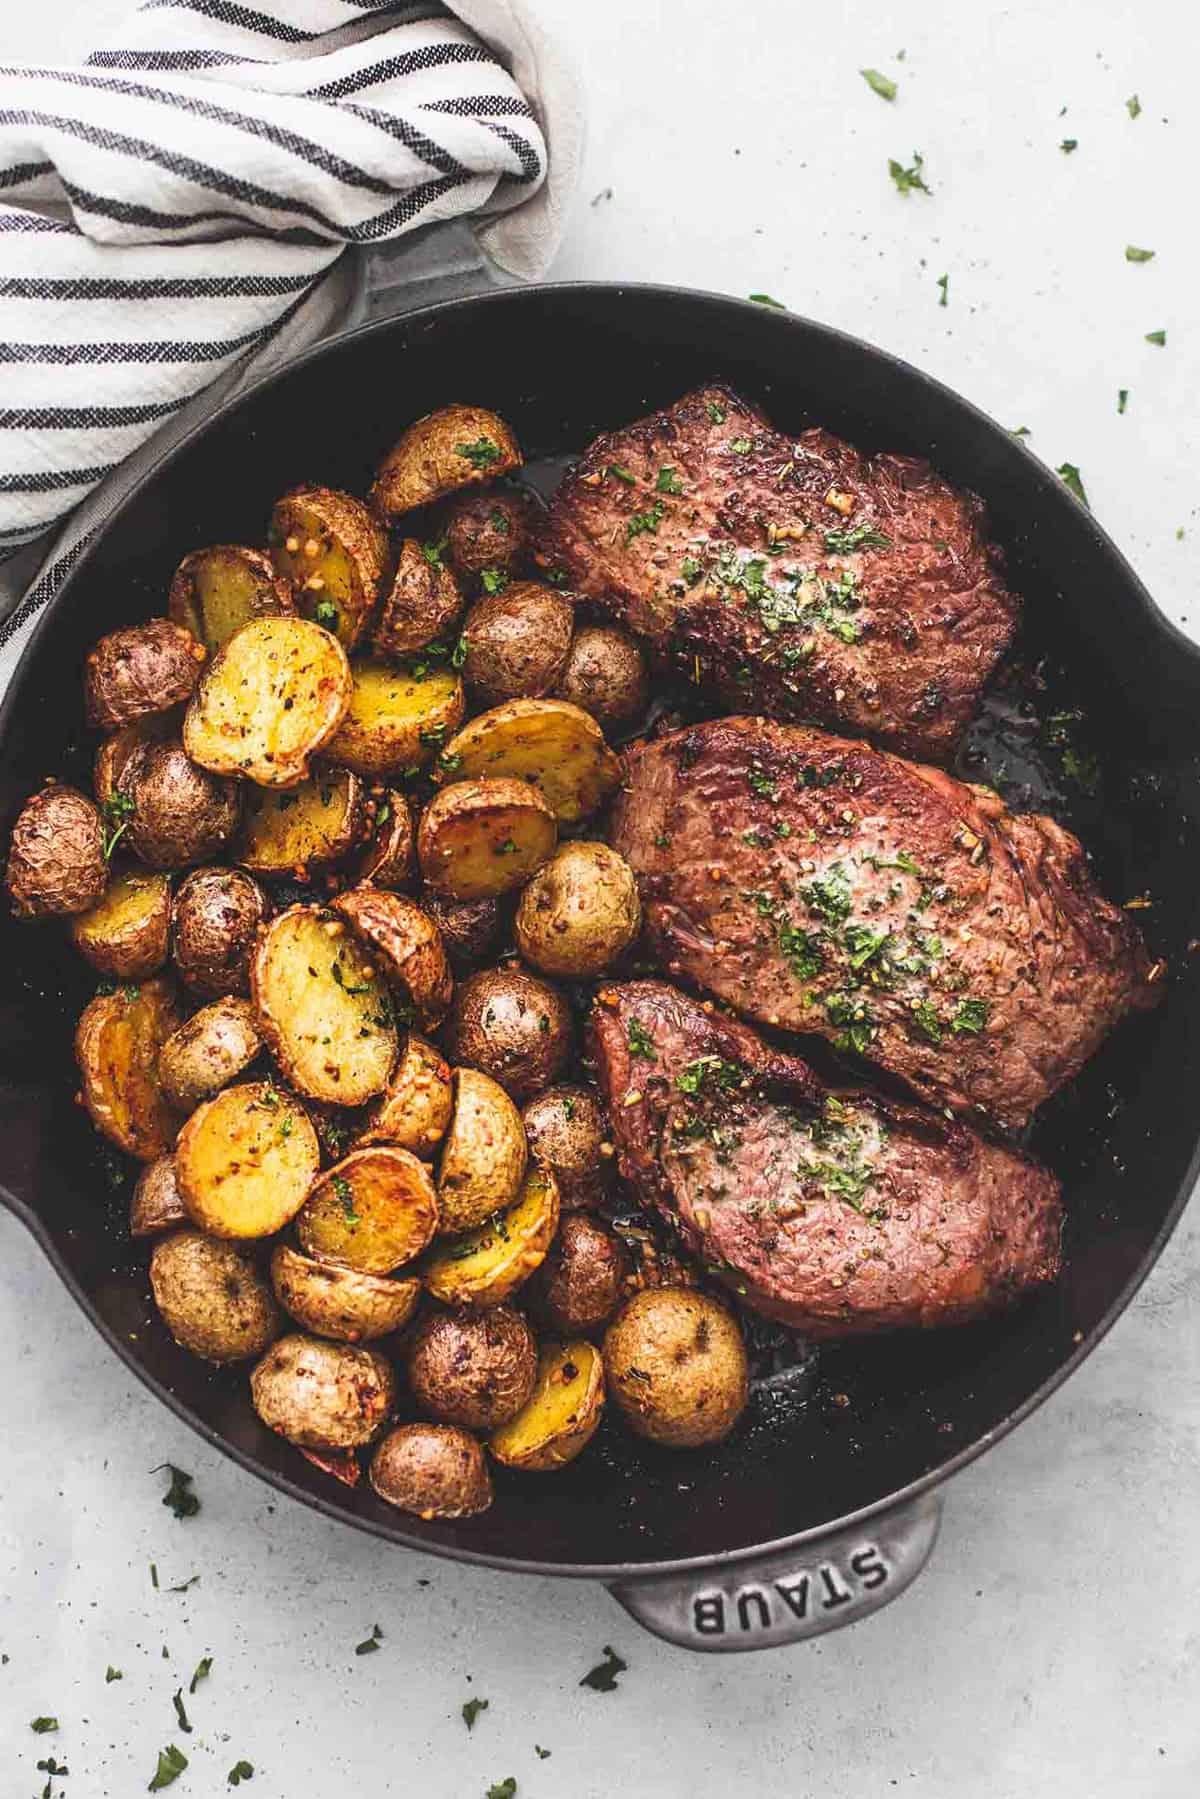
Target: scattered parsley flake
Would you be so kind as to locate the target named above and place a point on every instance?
(343, 1192)
(1122, 398)
(118, 810)
(1068, 145)
(843, 540)
(644, 522)
(1156, 337)
(494, 580)
(185, 1722)
(767, 300)
(481, 454)
(154, 1574)
(432, 552)
(171, 1763)
(910, 180)
(471, 1710)
(344, 984)
(182, 1501)
(603, 1677)
(185, 1586)
(740, 446)
(1133, 106)
(1019, 431)
(240, 1771)
(503, 1789)
(943, 282)
(1135, 254)
(458, 654)
(326, 613)
(40, 1726)
(1073, 480)
(370, 1644)
(668, 481)
(542, 1754)
(203, 1670)
(691, 570)
(927, 1022)
(111, 1674)
(507, 848)
(640, 1043)
(715, 412)
(970, 1017)
(883, 85)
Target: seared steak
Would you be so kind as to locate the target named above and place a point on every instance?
(833, 1212)
(795, 573)
(824, 886)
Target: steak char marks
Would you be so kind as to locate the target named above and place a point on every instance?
(824, 584)
(835, 1213)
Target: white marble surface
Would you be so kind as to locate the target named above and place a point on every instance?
(1053, 1646)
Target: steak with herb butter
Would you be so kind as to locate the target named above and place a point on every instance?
(833, 1212)
(790, 573)
(823, 886)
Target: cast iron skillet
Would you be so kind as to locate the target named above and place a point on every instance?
(823, 1505)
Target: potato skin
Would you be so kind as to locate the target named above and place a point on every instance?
(456, 446)
(484, 1156)
(342, 1303)
(470, 928)
(568, 1133)
(157, 1204)
(211, 1297)
(138, 670)
(476, 1369)
(125, 934)
(422, 601)
(339, 557)
(605, 674)
(202, 586)
(390, 857)
(404, 939)
(56, 863)
(517, 642)
(416, 1109)
(322, 1395)
(213, 1048)
(579, 912)
(487, 530)
(581, 1283)
(432, 1470)
(215, 917)
(117, 1041)
(181, 813)
(513, 1026)
(676, 1366)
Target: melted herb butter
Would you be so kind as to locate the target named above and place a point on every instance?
(840, 1152)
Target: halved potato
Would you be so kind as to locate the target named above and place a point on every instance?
(117, 1042)
(214, 592)
(307, 827)
(268, 701)
(125, 933)
(415, 1111)
(485, 1154)
(115, 757)
(422, 602)
(322, 1008)
(457, 446)
(157, 1204)
(486, 1267)
(374, 1210)
(480, 838)
(407, 944)
(389, 859)
(396, 720)
(335, 551)
(208, 1052)
(556, 746)
(561, 1416)
(343, 1303)
(245, 1161)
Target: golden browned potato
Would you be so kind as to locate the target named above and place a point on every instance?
(312, 826)
(390, 857)
(117, 1042)
(487, 532)
(56, 864)
(568, 1133)
(397, 719)
(484, 1155)
(481, 838)
(323, 1395)
(334, 552)
(268, 702)
(551, 744)
(245, 1161)
(208, 1052)
(374, 1210)
(404, 941)
(125, 933)
(487, 1265)
(513, 1026)
(476, 1369)
(582, 1281)
(212, 1298)
(178, 813)
(562, 1414)
(470, 928)
(338, 1302)
(214, 592)
(605, 676)
(322, 1007)
(457, 446)
(433, 1471)
(138, 670)
(579, 912)
(157, 1204)
(517, 641)
(676, 1366)
(415, 1110)
(215, 917)
(422, 601)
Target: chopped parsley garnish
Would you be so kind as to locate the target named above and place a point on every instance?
(1156, 337)
(1068, 144)
(855, 1021)
(1133, 106)
(1122, 398)
(369, 1644)
(1073, 480)
(182, 1501)
(498, 520)
(691, 570)
(503, 1789)
(40, 1726)
(1134, 253)
(185, 1722)
(802, 949)
(494, 580)
(480, 454)
(767, 300)
(203, 1670)
(449, 761)
(458, 654)
(925, 1017)
(668, 481)
(901, 860)
(326, 613)
(622, 473)
(568, 1106)
(740, 445)
(542, 1754)
(846, 538)
(507, 848)
(883, 85)
(471, 1710)
(344, 1194)
(943, 282)
(640, 1043)
(970, 1017)
(430, 736)
(240, 1771)
(432, 552)
(184, 1586)
(715, 412)
(762, 783)
(644, 522)
(111, 1674)
(829, 895)
(724, 1075)
(345, 985)
(863, 944)
(1019, 431)
(910, 180)
(118, 809)
(603, 1677)
(171, 1763)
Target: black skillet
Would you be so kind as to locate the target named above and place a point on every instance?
(823, 1506)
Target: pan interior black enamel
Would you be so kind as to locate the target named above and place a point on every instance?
(563, 364)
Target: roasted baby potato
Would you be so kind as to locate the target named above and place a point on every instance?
(567, 1132)
(470, 928)
(605, 676)
(268, 702)
(117, 753)
(245, 1161)
(484, 1155)
(582, 1281)
(396, 719)
(212, 1298)
(415, 1110)
(422, 602)
(403, 940)
(390, 857)
(374, 1211)
(487, 1265)
(579, 912)
(157, 1204)
(56, 864)
(215, 592)
(117, 1042)
(322, 1395)
(457, 446)
(487, 531)
(178, 813)
(334, 552)
(312, 826)
(138, 670)
(215, 917)
(433, 1471)
(549, 743)
(343, 1303)
(210, 1051)
(676, 1366)
(125, 933)
(481, 838)
(561, 1415)
(476, 1369)
(517, 642)
(322, 1008)
(513, 1026)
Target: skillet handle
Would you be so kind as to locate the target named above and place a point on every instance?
(770, 1600)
